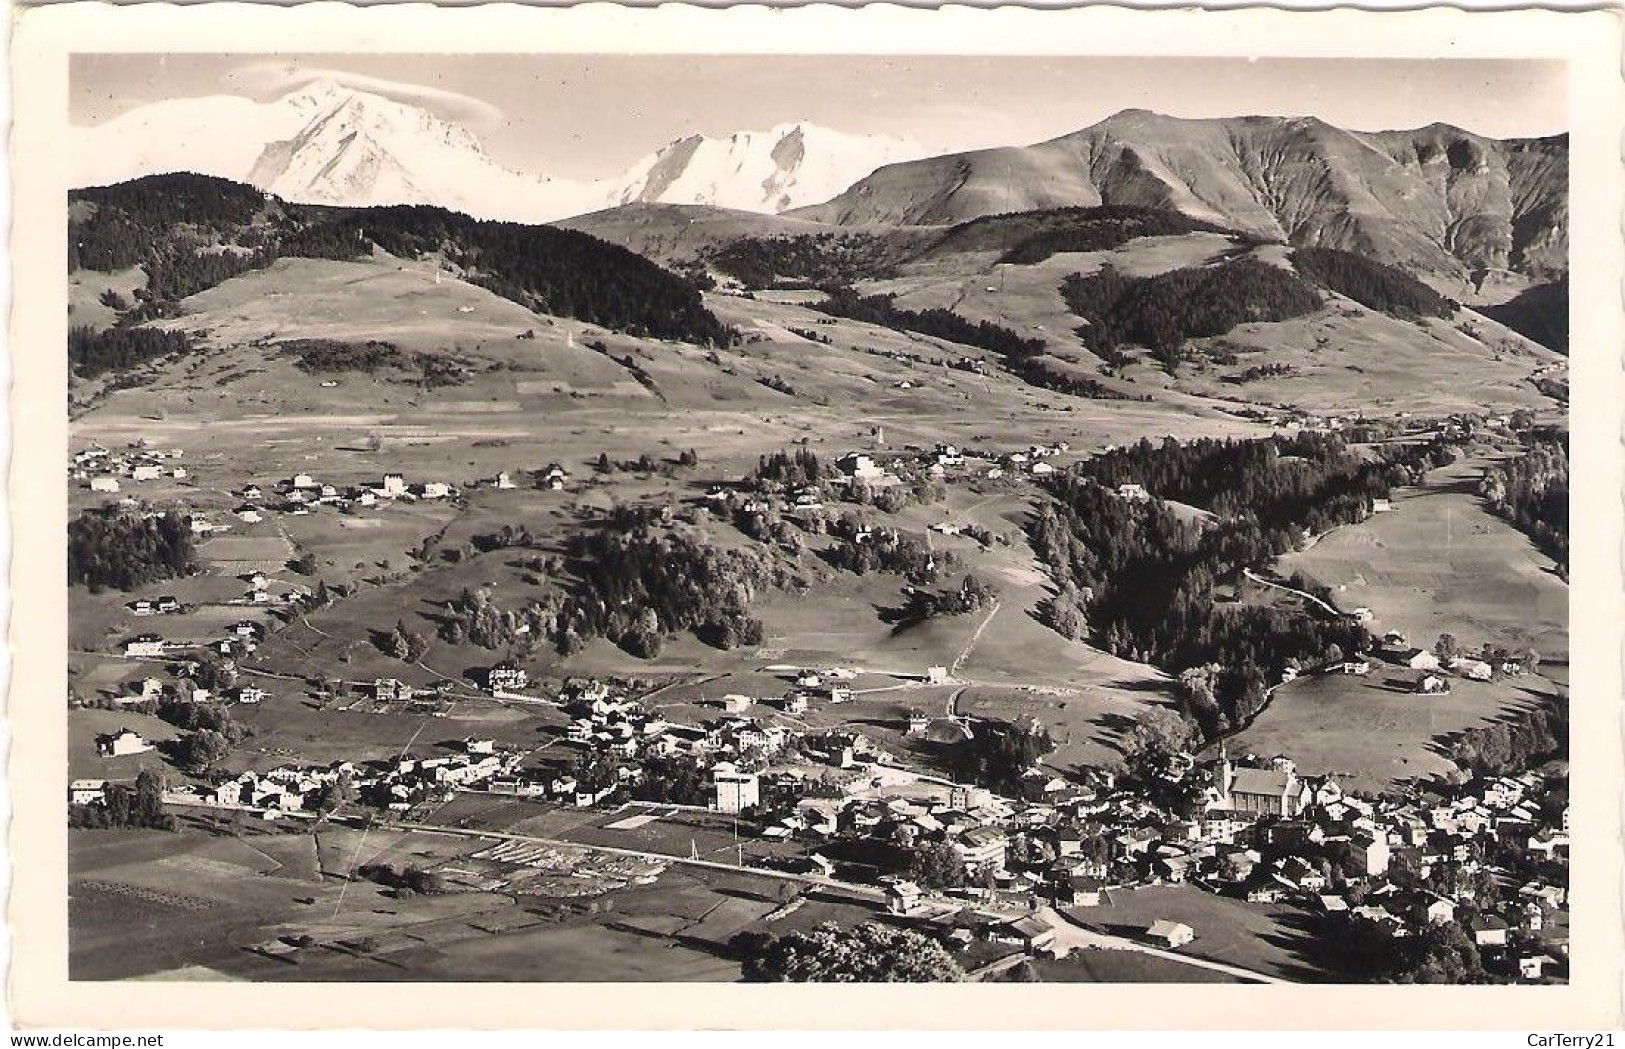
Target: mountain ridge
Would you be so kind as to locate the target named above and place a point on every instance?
(1438, 199)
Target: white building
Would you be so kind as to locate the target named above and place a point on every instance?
(735, 790)
(118, 744)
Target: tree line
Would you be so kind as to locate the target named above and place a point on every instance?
(1372, 284)
(109, 549)
(811, 260)
(1101, 229)
(1531, 490)
(91, 352)
(1162, 312)
(882, 311)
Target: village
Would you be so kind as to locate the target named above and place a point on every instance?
(1024, 871)
(1000, 877)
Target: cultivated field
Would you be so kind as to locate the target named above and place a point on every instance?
(1268, 939)
(1439, 563)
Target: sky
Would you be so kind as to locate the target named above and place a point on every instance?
(589, 116)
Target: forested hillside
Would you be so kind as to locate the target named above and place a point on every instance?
(191, 232)
(1371, 284)
(944, 324)
(1138, 578)
(1162, 312)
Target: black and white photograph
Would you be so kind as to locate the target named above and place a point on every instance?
(637, 518)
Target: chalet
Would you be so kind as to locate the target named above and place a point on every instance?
(1435, 910)
(734, 703)
(1381, 506)
(1421, 659)
(1029, 932)
(87, 791)
(388, 690)
(168, 605)
(1174, 867)
(1135, 841)
(143, 606)
(1432, 685)
(146, 472)
(435, 490)
(1133, 491)
(1069, 889)
(1530, 966)
(1170, 934)
(104, 484)
(145, 645)
(1473, 669)
(859, 467)
(506, 677)
(1489, 930)
(123, 742)
(145, 689)
(902, 897)
(249, 696)
(1351, 666)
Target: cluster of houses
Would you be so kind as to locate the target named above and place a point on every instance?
(396, 785)
(1434, 670)
(240, 638)
(101, 469)
(302, 493)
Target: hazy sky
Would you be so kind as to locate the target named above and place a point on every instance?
(582, 116)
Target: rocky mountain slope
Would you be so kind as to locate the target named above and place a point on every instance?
(1437, 200)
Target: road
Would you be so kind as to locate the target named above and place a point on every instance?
(964, 653)
(1255, 577)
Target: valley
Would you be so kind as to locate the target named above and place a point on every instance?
(616, 599)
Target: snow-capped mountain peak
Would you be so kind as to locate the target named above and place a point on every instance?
(326, 142)
(784, 167)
